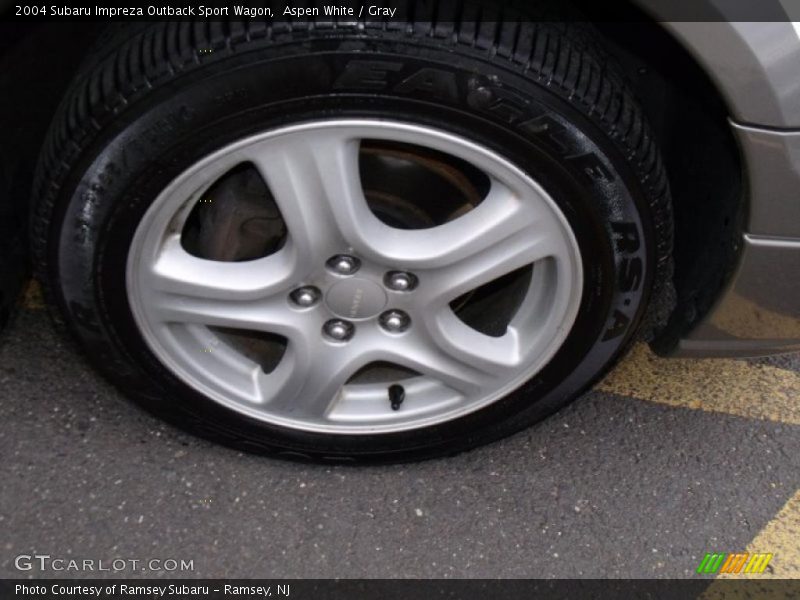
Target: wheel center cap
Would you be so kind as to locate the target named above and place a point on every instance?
(356, 299)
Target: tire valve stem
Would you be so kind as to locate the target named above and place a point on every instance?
(396, 395)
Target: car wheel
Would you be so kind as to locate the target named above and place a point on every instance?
(352, 242)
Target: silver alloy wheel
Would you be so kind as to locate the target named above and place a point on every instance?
(312, 171)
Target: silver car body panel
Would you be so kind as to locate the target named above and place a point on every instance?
(773, 173)
(756, 68)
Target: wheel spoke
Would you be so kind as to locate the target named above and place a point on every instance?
(178, 272)
(508, 239)
(271, 316)
(245, 295)
(426, 355)
(318, 372)
(493, 355)
(219, 364)
(504, 213)
(316, 184)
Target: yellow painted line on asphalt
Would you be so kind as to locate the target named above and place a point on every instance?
(733, 387)
(781, 537)
(726, 386)
(744, 318)
(32, 298)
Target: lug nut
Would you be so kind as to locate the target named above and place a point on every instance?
(305, 296)
(395, 321)
(344, 264)
(400, 281)
(339, 330)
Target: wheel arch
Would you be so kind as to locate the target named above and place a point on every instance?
(692, 114)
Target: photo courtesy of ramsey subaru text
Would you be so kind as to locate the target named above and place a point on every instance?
(396, 237)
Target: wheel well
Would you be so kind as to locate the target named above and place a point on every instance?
(37, 63)
(703, 166)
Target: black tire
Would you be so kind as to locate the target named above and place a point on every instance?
(544, 96)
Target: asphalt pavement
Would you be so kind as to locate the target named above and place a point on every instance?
(661, 463)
